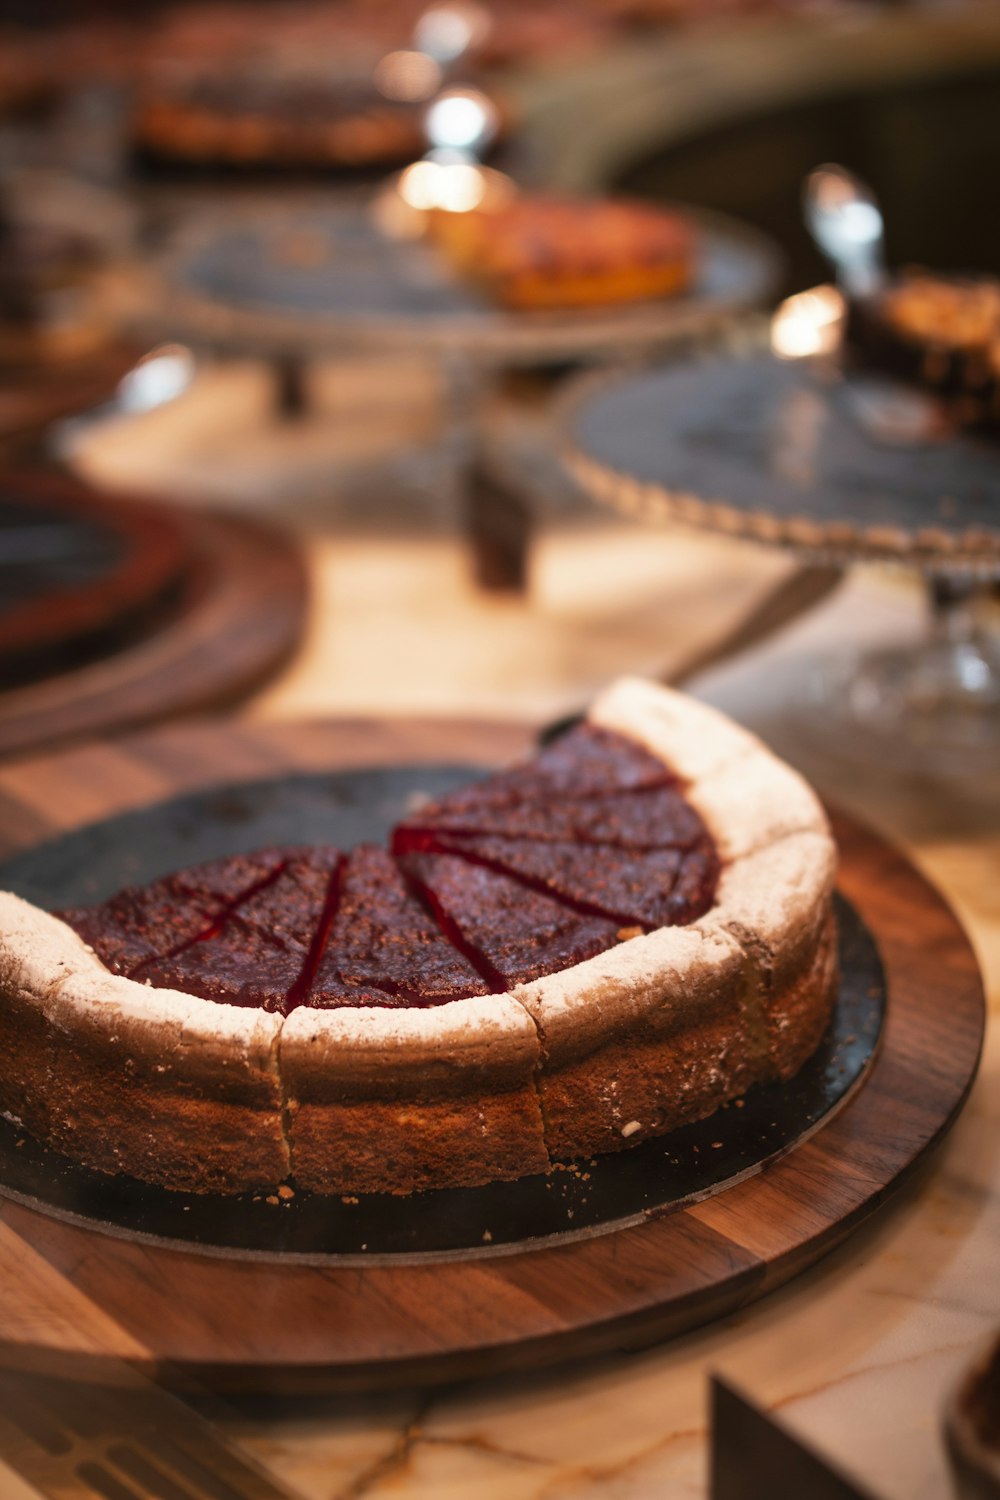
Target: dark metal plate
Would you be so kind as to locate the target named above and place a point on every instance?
(588, 1197)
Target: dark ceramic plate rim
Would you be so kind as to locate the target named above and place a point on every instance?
(864, 970)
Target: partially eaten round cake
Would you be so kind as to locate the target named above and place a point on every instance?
(594, 946)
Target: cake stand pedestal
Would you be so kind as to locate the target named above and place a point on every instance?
(833, 467)
(79, 1302)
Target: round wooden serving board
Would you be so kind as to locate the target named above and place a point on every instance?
(79, 1302)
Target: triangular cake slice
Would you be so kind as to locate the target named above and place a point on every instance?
(143, 923)
(384, 947)
(586, 761)
(644, 888)
(512, 933)
(645, 818)
(260, 952)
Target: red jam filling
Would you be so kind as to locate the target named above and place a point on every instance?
(384, 946)
(646, 818)
(520, 875)
(144, 923)
(634, 887)
(257, 952)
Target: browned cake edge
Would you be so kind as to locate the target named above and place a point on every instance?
(395, 1100)
(126, 1078)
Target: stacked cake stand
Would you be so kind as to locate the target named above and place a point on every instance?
(840, 468)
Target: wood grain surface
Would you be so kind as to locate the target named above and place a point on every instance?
(70, 611)
(33, 397)
(76, 1300)
(238, 615)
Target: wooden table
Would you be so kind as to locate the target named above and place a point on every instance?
(856, 1353)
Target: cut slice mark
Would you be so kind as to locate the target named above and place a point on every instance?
(298, 991)
(640, 819)
(452, 933)
(758, 980)
(284, 1100)
(537, 884)
(518, 933)
(218, 921)
(536, 1084)
(540, 1068)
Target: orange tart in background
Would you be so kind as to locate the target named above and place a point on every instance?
(599, 944)
(537, 251)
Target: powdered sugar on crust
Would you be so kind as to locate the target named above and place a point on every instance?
(753, 802)
(462, 1024)
(376, 1050)
(43, 956)
(665, 978)
(691, 738)
(777, 898)
(747, 797)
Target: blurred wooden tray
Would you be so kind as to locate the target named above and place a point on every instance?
(235, 616)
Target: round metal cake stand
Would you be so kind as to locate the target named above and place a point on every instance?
(840, 469)
(314, 275)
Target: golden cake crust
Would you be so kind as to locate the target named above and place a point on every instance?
(127, 1078)
(394, 1100)
(660, 1030)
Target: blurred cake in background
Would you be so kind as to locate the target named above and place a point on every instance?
(275, 118)
(941, 332)
(539, 251)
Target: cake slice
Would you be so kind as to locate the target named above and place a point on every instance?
(641, 888)
(541, 251)
(647, 818)
(144, 923)
(587, 761)
(511, 932)
(384, 947)
(259, 952)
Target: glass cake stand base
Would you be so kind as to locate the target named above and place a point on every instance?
(932, 706)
